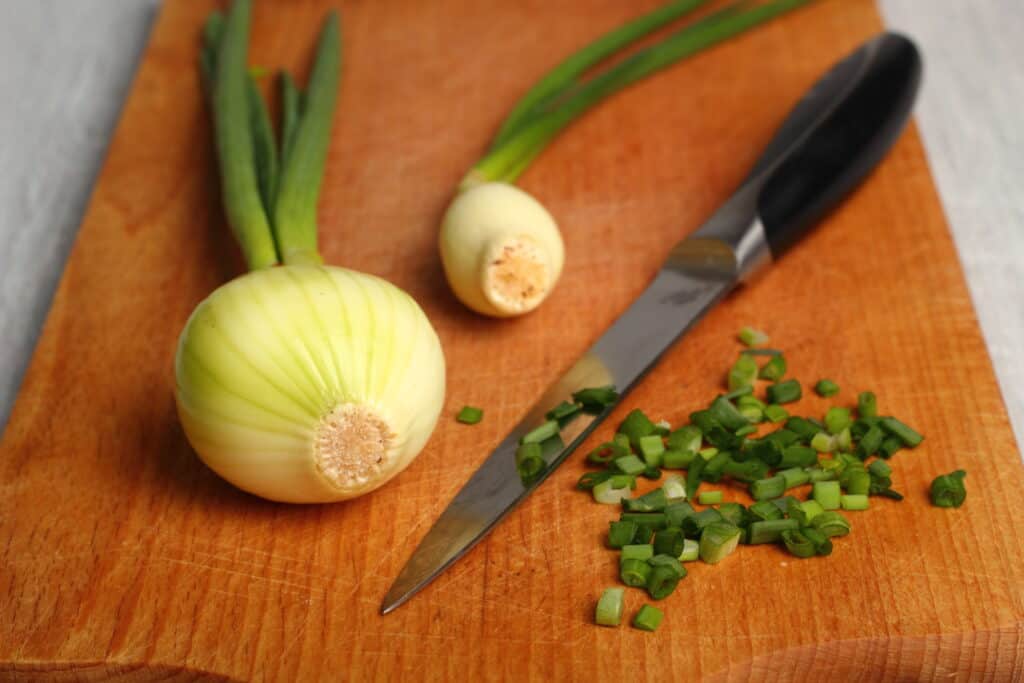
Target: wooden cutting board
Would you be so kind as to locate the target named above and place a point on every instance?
(120, 553)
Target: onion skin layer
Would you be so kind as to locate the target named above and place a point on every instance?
(267, 358)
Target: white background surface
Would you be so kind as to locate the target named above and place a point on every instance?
(66, 66)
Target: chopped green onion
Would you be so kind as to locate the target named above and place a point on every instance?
(819, 474)
(707, 453)
(609, 607)
(637, 552)
(784, 392)
(607, 493)
(695, 523)
(634, 572)
(837, 419)
(844, 441)
(770, 530)
(677, 460)
(629, 464)
(726, 414)
(767, 450)
(823, 443)
(852, 501)
(880, 468)
(606, 453)
(648, 618)
(717, 541)
(870, 442)
(636, 425)
(749, 429)
(890, 446)
(663, 580)
(652, 520)
(652, 447)
(715, 467)
(470, 415)
(734, 513)
(542, 433)
(621, 533)
(741, 392)
(826, 388)
(669, 542)
(764, 489)
(827, 494)
(623, 441)
(811, 509)
(694, 474)
(691, 550)
(822, 544)
(675, 513)
(684, 439)
(674, 487)
(623, 481)
(905, 433)
(591, 479)
(948, 490)
(798, 456)
(774, 370)
(743, 373)
(705, 421)
(775, 414)
(748, 401)
(763, 510)
(856, 481)
(831, 524)
(709, 497)
(867, 405)
(796, 511)
(746, 471)
(802, 427)
(596, 399)
(794, 476)
(530, 462)
(564, 413)
(886, 492)
(654, 501)
(752, 337)
(798, 544)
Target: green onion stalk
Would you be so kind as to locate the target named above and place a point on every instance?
(501, 249)
(297, 381)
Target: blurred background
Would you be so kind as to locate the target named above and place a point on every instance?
(66, 66)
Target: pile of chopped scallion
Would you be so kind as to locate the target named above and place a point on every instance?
(842, 457)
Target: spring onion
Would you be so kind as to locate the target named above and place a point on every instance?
(740, 393)
(686, 438)
(501, 250)
(880, 468)
(733, 513)
(691, 550)
(609, 607)
(621, 533)
(666, 571)
(634, 572)
(588, 480)
(707, 454)
(752, 337)
(826, 388)
(794, 476)
(837, 419)
(948, 490)
(798, 544)
(763, 510)
(822, 544)
(629, 464)
(677, 460)
(798, 456)
(648, 618)
(717, 541)
(844, 441)
(802, 427)
(693, 476)
(293, 382)
(775, 414)
(784, 392)
(827, 494)
(470, 415)
(675, 513)
(823, 443)
(870, 442)
(693, 525)
(851, 501)
(855, 481)
(890, 446)
(607, 452)
(544, 432)
(564, 413)
(773, 370)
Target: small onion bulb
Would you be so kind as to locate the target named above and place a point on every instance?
(308, 384)
(501, 249)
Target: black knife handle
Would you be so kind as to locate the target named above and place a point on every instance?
(834, 137)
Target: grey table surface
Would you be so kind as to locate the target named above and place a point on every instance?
(66, 66)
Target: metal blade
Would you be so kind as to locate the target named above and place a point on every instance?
(678, 297)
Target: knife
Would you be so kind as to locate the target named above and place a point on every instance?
(826, 146)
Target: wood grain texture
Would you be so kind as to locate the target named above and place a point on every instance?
(120, 554)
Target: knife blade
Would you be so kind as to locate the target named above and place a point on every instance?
(825, 147)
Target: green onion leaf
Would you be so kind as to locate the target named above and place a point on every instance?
(948, 490)
(609, 607)
(648, 618)
(784, 392)
(470, 415)
(826, 388)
